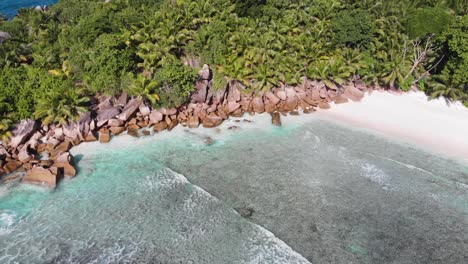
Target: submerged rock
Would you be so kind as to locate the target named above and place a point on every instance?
(245, 212)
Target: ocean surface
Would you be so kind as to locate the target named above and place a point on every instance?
(10, 7)
(311, 191)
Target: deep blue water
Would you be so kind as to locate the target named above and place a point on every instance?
(9, 7)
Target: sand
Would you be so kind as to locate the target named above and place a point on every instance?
(434, 125)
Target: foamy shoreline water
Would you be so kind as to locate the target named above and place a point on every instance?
(408, 118)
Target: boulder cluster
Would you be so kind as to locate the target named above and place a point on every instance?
(42, 151)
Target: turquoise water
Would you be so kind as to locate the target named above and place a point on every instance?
(315, 190)
(10, 7)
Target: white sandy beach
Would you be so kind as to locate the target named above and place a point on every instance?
(410, 117)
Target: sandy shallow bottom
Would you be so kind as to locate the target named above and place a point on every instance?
(316, 191)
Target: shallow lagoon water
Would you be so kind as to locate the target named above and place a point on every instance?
(316, 190)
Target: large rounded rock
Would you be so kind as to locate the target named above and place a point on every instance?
(104, 135)
(155, 117)
(273, 99)
(22, 132)
(269, 106)
(281, 94)
(117, 130)
(11, 166)
(232, 106)
(160, 126)
(115, 122)
(39, 175)
(258, 105)
(24, 155)
(212, 120)
(353, 93)
(193, 122)
(65, 162)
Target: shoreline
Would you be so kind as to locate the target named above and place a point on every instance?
(432, 125)
(42, 152)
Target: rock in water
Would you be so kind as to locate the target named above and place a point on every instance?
(160, 126)
(193, 122)
(276, 119)
(117, 130)
(104, 136)
(212, 121)
(39, 175)
(65, 161)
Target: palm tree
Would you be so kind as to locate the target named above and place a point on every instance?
(60, 105)
(144, 88)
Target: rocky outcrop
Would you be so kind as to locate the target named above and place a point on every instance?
(11, 166)
(4, 36)
(212, 120)
(353, 93)
(115, 115)
(104, 115)
(155, 117)
(117, 130)
(129, 109)
(23, 131)
(257, 105)
(24, 155)
(202, 85)
(160, 126)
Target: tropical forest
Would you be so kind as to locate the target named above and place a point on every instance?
(54, 62)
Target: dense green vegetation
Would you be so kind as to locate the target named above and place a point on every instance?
(83, 48)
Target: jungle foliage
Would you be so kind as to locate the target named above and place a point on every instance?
(83, 48)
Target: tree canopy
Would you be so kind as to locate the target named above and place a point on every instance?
(79, 49)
